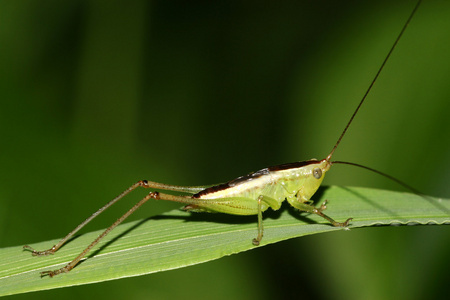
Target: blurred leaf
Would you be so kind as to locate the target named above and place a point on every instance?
(177, 239)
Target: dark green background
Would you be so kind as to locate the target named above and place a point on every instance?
(97, 95)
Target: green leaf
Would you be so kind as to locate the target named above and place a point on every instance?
(177, 239)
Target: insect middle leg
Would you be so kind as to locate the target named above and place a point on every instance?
(258, 238)
(237, 206)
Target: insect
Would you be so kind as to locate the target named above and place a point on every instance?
(251, 194)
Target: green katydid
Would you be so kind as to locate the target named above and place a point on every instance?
(251, 194)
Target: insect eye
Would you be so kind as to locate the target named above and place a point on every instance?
(317, 172)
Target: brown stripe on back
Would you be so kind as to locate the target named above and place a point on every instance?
(232, 183)
(293, 165)
(251, 176)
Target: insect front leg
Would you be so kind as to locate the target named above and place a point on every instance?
(301, 204)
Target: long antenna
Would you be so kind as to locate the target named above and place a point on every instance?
(382, 174)
(374, 79)
(417, 192)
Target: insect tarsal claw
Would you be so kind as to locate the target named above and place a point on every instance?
(255, 242)
(323, 206)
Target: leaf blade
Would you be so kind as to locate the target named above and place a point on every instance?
(178, 239)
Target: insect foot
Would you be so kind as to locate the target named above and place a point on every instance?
(344, 224)
(40, 253)
(256, 241)
(56, 272)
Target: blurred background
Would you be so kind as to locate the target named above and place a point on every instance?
(97, 95)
